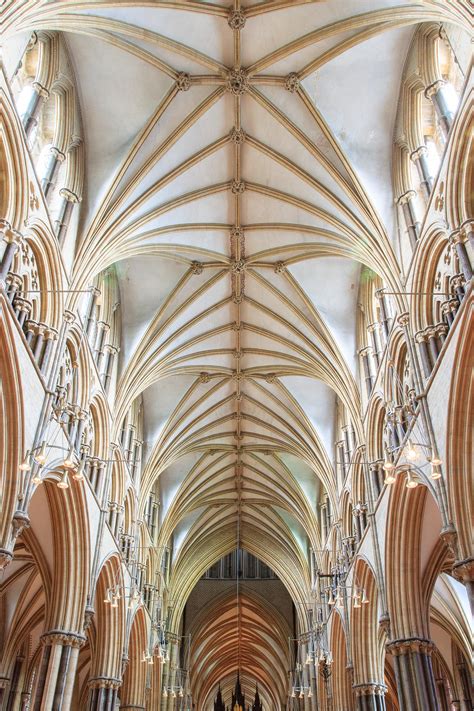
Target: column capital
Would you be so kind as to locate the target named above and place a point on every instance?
(104, 682)
(69, 317)
(420, 645)
(406, 197)
(419, 153)
(434, 88)
(9, 234)
(463, 570)
(404, 319)
(68, 195)
(420, 336)
(370, 688)
(64, 638)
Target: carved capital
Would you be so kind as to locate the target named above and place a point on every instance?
(371, 688)
(404, 319)
(66, 639)
(104, 682)
(6, 557)
(20, 521)
(412, 645)
(463, 570)
(238, 266)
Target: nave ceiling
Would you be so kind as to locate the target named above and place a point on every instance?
(238, 173)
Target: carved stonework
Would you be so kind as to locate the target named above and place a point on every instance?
(33, 198)
(103, 682)
(409, 646)
(237, 82)
(237, 135)
(20, 521)
(197, 268)
(204, 377)
(292, 82)
(66, 639)
(5, 558)
(183, 81)
(238, 266)
(280, 268)
(464, 570)
(450, 537)
(236, 19)
(238, 187)
(370, 689)
(89, 613)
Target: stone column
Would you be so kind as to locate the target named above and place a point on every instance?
(421, 338)
(419, 159)
(384, 320)
(102, 330)
(413, 226)
(10, 242)
(94, 295)
(64, 216)
(459, 238)
(436, 93)
(103, 693)
(57, 670)
(373, 330)
(377, 477)
(30, 117)
(30, 331)
(416, 684)
(111, 352)
(368, 375)
(458, 285)
(50, 335)
(38, 349)
(47, 182)
(433, 343)
(370, 696)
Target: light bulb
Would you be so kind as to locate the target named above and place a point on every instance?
(308, 659)
(301, 694)
(389, 477)
(388, 465)
(411, 481)
(435, 472)
(181, 691)
(115, 600)
(310, 694)
(25, 466)
(37, 478)
(79, 473)
(365, 599)
(173, 694)
(356, 603)
(63, 482)
(40, 457)
(331, 600)
(165, 694)
(68, 460)
(436, 461)
(411, 453)
(150, 659)
(144, 654)
(339, 601)
(108, 597)
(293, 692)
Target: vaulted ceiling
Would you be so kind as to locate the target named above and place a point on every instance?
(238, 176)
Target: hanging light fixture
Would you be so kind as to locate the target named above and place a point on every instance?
(40, 457)
(68, 460)
(388, 465)
(411, 481)
(410, 452)
(79, 473)
(108, 599)
(331, 600)
(364, 600)
(25, 466)
(36, 479)
(435, 472)
(390, 477)
(63, 482)
(436, 461)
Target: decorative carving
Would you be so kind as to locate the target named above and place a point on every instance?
(237, 354)
(238, 187)
(33, 198)
(280, 268)
(371, 689)
(237, 135)
(236, 19)
(204, 377)
(197, 268)
(292, 82)
(183, 81)
(5, 558)
(66, 639)
(237, 81)
(270, 378)
(20, 521)
(103, 682)
(238, 266)
(89, 613)
(411, 645)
